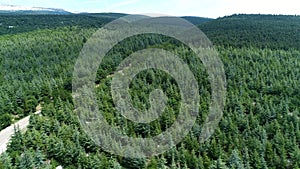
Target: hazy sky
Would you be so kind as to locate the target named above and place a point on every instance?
(205, 8)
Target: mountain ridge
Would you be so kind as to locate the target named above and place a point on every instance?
(15, 9)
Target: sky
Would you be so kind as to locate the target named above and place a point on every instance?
(203, 8)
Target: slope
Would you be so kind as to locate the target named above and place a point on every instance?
(262, 31)
(259, 129)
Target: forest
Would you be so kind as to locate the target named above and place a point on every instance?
(259, 128)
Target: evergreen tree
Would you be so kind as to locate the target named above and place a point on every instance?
(5, 161)
(218, 164)
(38, 158)
(235, 161)
(26, 160)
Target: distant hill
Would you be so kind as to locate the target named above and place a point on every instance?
(12, 24)
(263, 31)
(18, 22)
(13, 10)
(33, 12)
(196, 20)
(108, 15)
(193, 19)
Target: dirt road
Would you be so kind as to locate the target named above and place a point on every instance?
(6, 134)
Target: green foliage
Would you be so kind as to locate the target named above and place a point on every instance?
(5, 120)
(34, 69)
(218, 164)
(259, 129)
(13, 24)
(235, 161)
(261, 31)
(5, 161)
(25, 160)
(133, 163)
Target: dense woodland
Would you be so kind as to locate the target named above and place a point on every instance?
(12, 24)
(259, 128)
(260, 31)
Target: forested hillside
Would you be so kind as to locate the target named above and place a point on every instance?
(12, 24)
(261, 31)
(259, 129)
(35, 65)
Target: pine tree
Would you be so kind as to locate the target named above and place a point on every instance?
(263, 163)
(246, 158)
(235, 161)
(5, 161)
(38, 158)
(162, 162)
(218, 164)
(16, 144)
(133, 162)
(115, 164)
(26, 160)
(295, 157)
